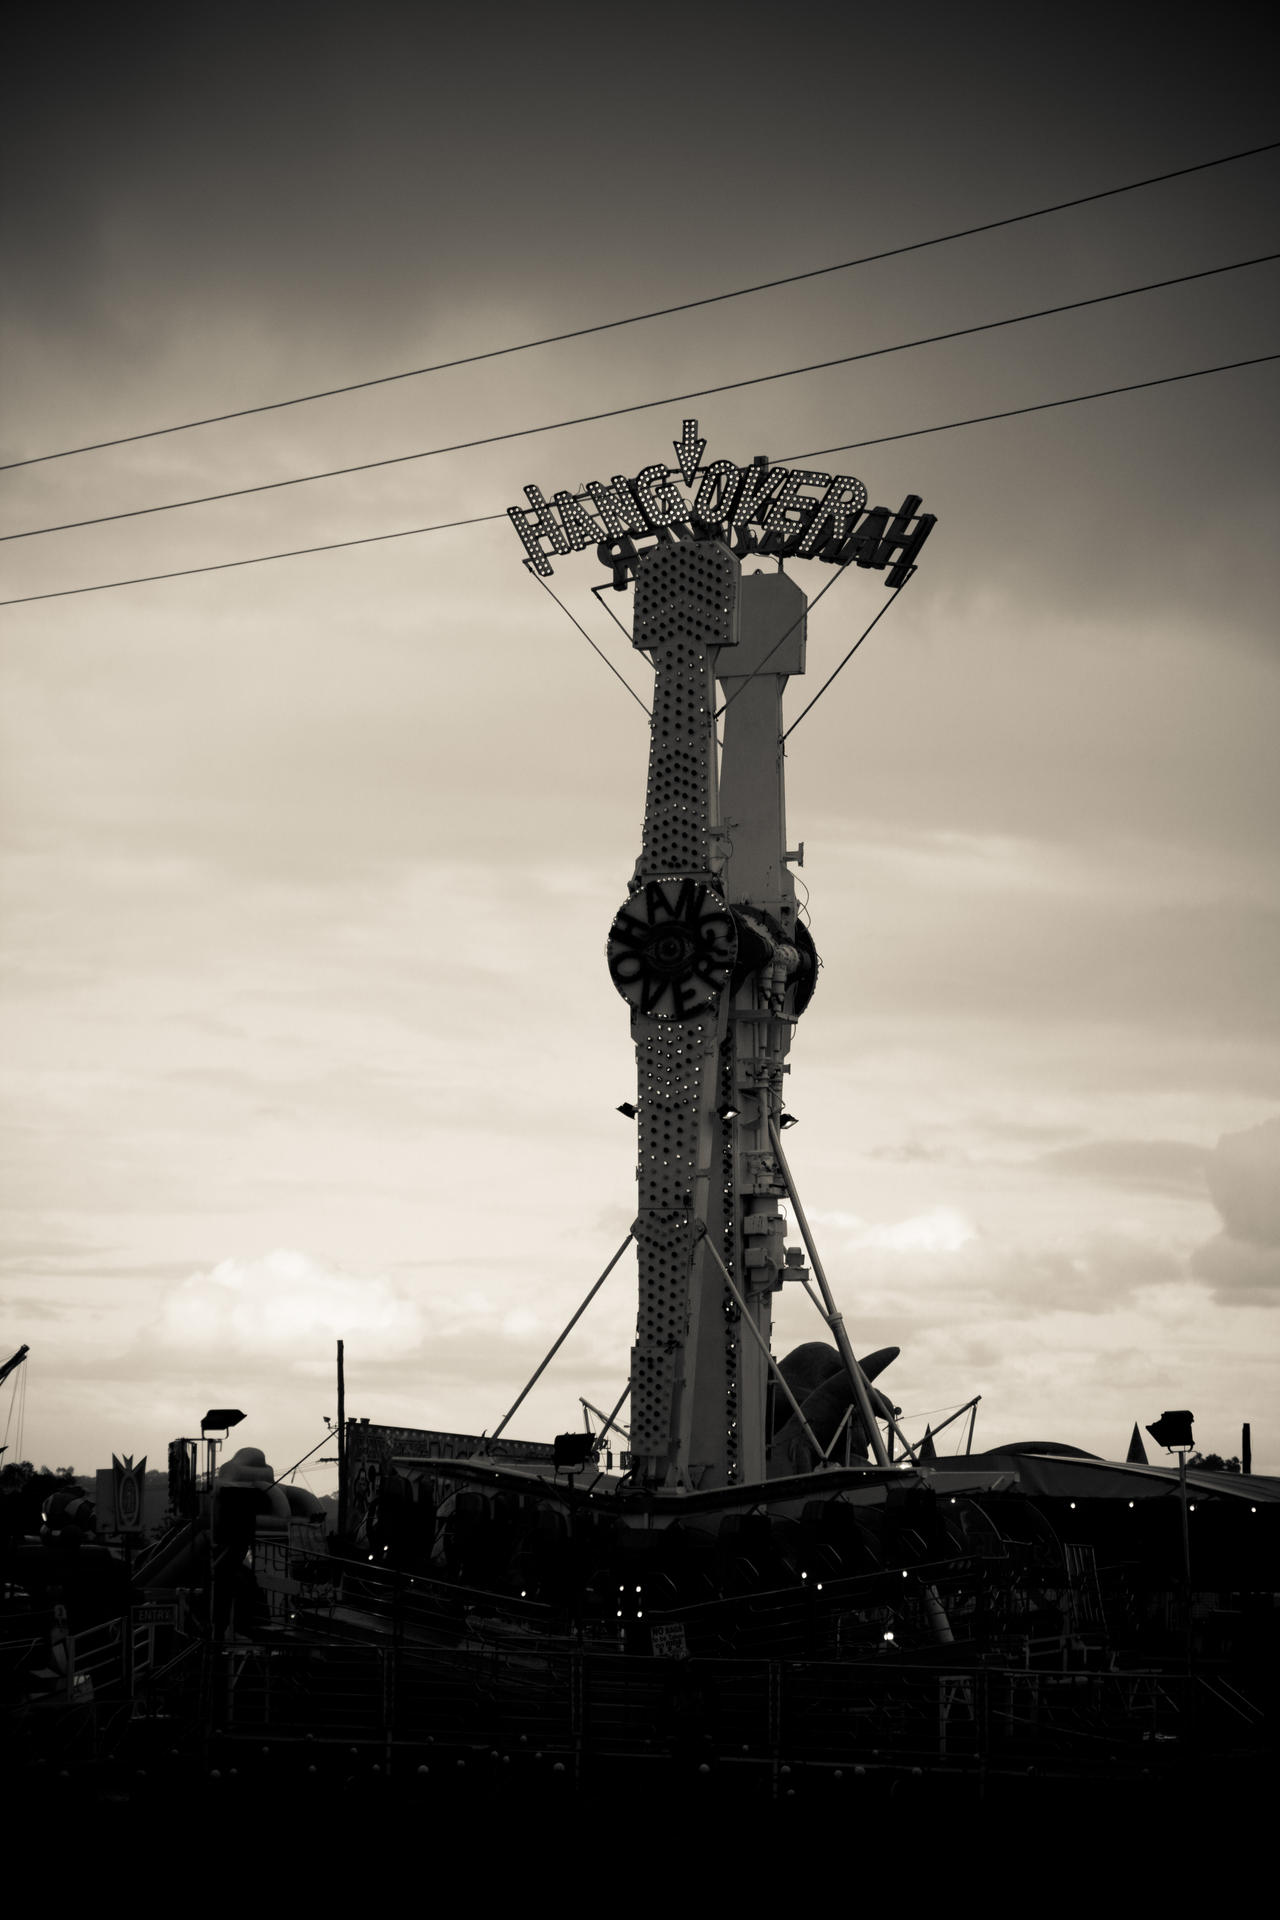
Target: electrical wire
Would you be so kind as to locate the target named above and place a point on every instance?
(656, 313)
(259, 559)
(442, 526)
(643, 406)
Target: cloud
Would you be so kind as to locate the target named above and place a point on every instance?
(1242, 1262)
(940, 1230)
(1164, 1166)
(939, 1266)
(288, 1308)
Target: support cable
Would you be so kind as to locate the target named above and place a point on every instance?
(306, 1456)
(844, 663)
(656, 313)
(640, 406)
(542, 1367)
(809, 607)
(479, 519)
(598, 593)
(595, 649)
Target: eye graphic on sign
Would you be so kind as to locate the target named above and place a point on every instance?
(672, 948)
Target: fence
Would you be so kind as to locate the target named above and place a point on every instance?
(815, 1713)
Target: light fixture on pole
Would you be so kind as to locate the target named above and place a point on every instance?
(217, 1420)
(1173, 1432)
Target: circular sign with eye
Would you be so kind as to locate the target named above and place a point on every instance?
(672, 948)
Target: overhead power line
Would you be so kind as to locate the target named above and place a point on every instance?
(655, 313)
(643, 406)
(479, 519)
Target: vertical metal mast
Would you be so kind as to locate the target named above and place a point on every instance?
(671, 953)
(772, 984)
(709, 954)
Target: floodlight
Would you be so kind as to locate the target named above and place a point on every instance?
(573, 1450)
(1172, 1430)
(221, 1419)
(627, 1111)
(787, 1120)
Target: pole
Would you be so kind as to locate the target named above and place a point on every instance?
(1246, 1448)
(127, 1649)
(1186, 1547)
(832, 1317)
(956, 1415)
(342, 1445)
(608, 1419)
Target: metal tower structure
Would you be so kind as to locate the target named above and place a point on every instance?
(717, 967)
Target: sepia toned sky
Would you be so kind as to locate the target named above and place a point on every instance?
(307, 866)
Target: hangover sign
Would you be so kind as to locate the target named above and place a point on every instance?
(790, 512)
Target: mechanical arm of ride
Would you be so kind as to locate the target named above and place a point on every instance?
(710, 954)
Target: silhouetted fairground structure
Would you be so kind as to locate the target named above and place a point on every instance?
(746, 1572)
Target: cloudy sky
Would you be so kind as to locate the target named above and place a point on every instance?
(308, 865)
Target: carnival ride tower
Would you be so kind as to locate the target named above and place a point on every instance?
(717, 967)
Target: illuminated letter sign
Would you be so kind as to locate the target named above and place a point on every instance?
(790, 512)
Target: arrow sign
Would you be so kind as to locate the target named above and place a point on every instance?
(689, 450)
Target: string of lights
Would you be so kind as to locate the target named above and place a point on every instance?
(655, 313)
(480, 519)
(643, 406)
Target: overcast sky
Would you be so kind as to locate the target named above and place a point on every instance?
(308, 866)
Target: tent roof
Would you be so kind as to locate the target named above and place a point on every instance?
(1064, 1472)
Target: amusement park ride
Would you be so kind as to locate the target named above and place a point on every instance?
(717, 967)
(713, 958)
(768, 1510)
(714, 961)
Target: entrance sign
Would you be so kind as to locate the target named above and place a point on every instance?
(156, 1613)
(789, 512)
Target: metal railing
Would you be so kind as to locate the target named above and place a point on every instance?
(823, 1712)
